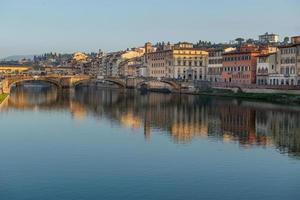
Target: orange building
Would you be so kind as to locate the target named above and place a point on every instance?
(239, 66)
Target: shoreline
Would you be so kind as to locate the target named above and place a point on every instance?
(278, 98)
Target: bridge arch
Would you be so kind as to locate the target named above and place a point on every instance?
(118, 82)
(13, 82)
(174, 86)
(172, 83)
(79, 82)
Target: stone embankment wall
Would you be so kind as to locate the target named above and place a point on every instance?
(261, 91)
(271, 91)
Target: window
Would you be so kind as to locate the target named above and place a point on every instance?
(287, 82)
(292, 70)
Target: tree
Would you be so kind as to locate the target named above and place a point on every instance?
(240, 40)
(286, 40)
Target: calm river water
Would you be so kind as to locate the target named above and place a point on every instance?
(111, 144)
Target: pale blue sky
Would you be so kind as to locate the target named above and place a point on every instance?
(37, 26)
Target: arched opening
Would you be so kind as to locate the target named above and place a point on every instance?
(143, 88)
(112, 83)
(34, 83)
(82, 83)
(157, 86)
(31, 93)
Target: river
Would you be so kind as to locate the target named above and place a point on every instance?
(93, 143)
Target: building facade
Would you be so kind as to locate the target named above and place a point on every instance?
(114, 64)
(266, 69)
(180, 61)
(239, 66)
(268, 38)
(188, 63)
(288, 60)
(215, 64)
(158, 65)
(131, 67)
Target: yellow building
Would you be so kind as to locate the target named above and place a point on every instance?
(188, 63)
(179, 61)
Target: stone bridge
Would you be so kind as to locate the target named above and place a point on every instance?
(59, 81)
(139, 81)
(72, 81)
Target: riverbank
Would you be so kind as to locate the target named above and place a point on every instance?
(279, 98)
(268, 97)
(3, 96)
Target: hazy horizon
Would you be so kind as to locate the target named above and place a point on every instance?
(34, 27)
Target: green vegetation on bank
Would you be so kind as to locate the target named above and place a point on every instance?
(2, 97)
(278, 98)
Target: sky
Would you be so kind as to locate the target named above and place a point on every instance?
(37, 26)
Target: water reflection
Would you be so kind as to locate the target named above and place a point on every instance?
(182, 117)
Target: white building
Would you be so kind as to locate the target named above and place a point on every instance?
(269, 38)
(288, 60)
(266, 69)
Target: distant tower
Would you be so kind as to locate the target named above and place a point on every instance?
(148, 47)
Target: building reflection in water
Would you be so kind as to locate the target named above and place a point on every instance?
(182, 117)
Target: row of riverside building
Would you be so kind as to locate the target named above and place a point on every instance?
(266, 62)
(246, 64)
